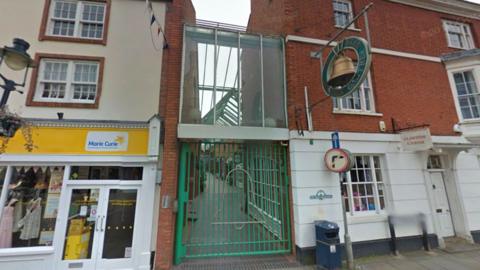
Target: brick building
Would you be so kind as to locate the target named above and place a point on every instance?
(425, 71)
(241, 110)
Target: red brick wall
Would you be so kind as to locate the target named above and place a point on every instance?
(178, 12)
(411, 91)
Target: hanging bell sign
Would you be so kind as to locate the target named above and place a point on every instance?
(340, 77)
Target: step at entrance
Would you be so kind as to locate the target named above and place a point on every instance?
(458, 245)
(233, 200)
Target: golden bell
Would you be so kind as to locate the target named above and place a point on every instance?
(342, 72)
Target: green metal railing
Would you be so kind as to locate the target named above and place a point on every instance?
(233, 200)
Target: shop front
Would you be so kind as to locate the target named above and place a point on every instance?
(82, 199)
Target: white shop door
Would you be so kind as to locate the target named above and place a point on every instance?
(442, 207)
(99, 228)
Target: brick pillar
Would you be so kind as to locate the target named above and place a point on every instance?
(178, 12)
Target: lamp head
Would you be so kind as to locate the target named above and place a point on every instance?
(16, 57)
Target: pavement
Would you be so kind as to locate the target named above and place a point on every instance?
(458, 257)
(419, 260)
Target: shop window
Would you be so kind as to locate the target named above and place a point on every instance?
(468, 95)
(363, 187)
(459, 35)
(360, 100)
(77, 21)
(67, 81)
(343, 12)
(106, 173)
(30, 206)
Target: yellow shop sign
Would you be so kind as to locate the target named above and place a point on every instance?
(82, 141)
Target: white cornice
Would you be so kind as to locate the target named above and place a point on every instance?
(374, 50)
(454, 7)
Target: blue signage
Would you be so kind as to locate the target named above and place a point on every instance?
(335, 140)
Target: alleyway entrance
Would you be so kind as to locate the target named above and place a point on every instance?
(233, 200)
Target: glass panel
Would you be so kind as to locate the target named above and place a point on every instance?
(82, 219)
(30, 211)
(120, 224)
(238, 99)
(273, 83)
(251, 81)
(106, 173)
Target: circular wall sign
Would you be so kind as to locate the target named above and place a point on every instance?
(364, 59)
(338, 160)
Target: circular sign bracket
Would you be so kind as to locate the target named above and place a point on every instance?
(364, 59)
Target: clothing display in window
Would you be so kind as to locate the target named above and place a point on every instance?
(30, 223)
(17, 216)
(6, 225)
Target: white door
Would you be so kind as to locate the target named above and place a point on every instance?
(441, 205)
(99, 228)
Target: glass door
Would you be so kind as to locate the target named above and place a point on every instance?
(117, 240)
(83, 228)
(99, 228)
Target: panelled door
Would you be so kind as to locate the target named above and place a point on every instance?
(442, 207)
(99, 228)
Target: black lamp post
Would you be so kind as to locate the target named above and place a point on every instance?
(17, 59)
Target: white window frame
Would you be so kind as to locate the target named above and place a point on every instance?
(350, 11)
(476, 75)
(466, 35)
(78, 19)
(374, 183)
(68, 98)
(363, 101)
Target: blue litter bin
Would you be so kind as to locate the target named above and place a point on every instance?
(327, 253)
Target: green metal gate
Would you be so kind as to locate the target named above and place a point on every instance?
(233, 200)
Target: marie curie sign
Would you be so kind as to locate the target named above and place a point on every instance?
(106, 141)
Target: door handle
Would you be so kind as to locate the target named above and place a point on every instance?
(96, 223)
(101, 224)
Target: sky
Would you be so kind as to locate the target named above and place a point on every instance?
(226, 11)
(229, 11)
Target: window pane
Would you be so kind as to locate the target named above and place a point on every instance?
(119, 224)
(86, 73)
(362, 181)
(53, 90)
(106, 173)
(273, 83)
(62, 28)
(30, 213)
(65, 10)
(82, 220)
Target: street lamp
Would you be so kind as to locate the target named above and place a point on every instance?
(17, 59)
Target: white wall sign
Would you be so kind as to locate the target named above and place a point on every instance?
(101, 141)
(418, 139)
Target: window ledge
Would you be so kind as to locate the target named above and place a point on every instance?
(470, 121)
(349, 28)
(358, 113)
(25, 251)
(460, 48)
(369, 218)
(46, 37)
